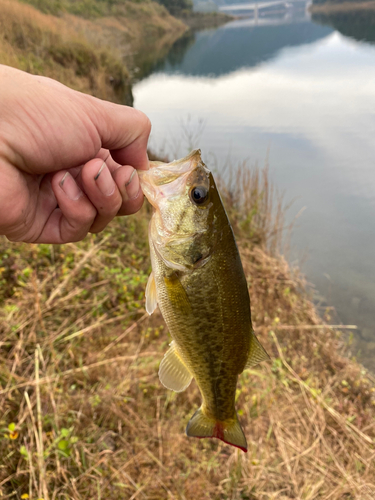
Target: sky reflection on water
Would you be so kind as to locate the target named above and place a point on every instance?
(311, 104)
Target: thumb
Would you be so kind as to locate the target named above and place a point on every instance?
(123, 130)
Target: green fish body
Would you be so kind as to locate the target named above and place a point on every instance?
(198, 282)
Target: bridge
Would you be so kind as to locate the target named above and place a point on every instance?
(255, 8)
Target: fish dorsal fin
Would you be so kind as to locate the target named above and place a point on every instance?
(173, 373)
(257, 353)
(151, 299)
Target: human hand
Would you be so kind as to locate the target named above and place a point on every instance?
(54, 185)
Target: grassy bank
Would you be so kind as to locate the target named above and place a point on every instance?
(91, 54)
(83, 414)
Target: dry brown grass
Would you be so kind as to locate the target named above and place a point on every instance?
(50, 46)
(88, 55)
(83, 414)
(255, 208)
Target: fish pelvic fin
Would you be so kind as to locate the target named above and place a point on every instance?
(151, 297)
(173, 373)
(228, 431)
(257, 353)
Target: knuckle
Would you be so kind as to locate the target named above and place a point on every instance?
(77, 237)
(19, 233)
(13, 238)
(16, 219)
(115, 208)
(76, 229)
(75, 224)
(97, 228)
(85, 216)
(72, 232)
(110, 209)
(22, 236)
(130, 207)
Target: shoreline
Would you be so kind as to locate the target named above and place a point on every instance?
(199, 21)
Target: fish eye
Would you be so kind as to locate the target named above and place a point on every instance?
(199, 194)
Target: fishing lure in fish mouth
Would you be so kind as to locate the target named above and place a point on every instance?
(198, 282)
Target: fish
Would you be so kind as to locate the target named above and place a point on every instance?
(199, 285)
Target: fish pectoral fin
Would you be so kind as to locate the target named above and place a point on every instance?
(177, 294)
(257, 353)
(151, 298)
(229, 431)
(173, 373)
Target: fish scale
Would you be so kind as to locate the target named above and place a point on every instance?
(198, 282)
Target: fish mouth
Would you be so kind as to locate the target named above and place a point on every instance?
(175, 167)
(164, 180)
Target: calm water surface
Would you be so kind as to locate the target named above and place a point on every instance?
(302, 94)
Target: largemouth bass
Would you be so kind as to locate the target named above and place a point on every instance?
(198, 282)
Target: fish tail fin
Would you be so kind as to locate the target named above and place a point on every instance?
(229, 431)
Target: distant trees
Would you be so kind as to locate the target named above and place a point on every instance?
(322, 2)
(176, 7)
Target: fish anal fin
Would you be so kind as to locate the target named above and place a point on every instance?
(173, 373)
(228, 431)
(257, 353)
(151, 298)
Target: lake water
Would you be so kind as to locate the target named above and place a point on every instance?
(301, 94)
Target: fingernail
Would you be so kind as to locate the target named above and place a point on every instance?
(70, 187)
(104, 181)
(132, 186)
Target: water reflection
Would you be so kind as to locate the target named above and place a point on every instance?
(148, 62)
(239, 44)
(359, 25)
(304, 93)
